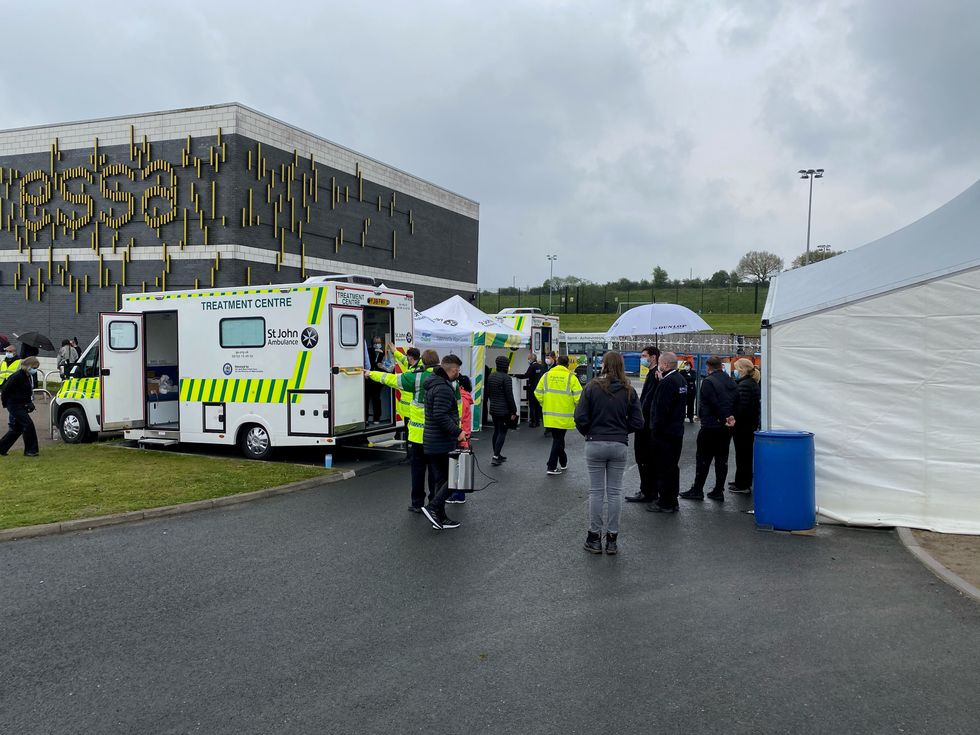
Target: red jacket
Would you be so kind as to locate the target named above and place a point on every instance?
(467, 400)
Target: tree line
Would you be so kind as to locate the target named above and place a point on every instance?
(755, 267)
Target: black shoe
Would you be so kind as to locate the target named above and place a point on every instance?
(448, 522)
(31, 454)
(3, 454)
(692, 494)
(717, 495)
(496, 461)
(414, 509)
(611, 547)
(740, 490)
(433, 518)
(593, 543)
(731, 486)
(502, 458)
(656, 508)
(639, 498)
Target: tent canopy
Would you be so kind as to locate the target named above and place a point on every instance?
(943, 242)
(430, 332)
(876, 351)
(458, 313)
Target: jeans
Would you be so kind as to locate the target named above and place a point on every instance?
(499, 433)
(20, 424)
(438, 465)
(606, 462)
(744, 443)
(557, 456)
(713, 444)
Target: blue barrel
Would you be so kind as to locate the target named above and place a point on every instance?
(783, 490)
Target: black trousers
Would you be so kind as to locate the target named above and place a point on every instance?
(645, 462)
(557, 456)
(667, 458)
(20, 424)
(372, 397)
(713, 445)
(439, 473)
(499, 433)
(419, 464)
(533, 410)
(744, 442)
(691, 397)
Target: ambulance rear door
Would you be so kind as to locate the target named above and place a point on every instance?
(347, 362)
(121, 368)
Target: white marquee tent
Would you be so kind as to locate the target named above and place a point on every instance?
(877, 351)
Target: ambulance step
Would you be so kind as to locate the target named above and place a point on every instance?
(157, 442)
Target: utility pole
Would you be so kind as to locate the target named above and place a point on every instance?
(551, 279)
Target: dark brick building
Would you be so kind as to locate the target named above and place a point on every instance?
(221, 196)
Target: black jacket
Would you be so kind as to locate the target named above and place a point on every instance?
(500, 393)
(608, 417)
(646, 396)
(748, 404)
(17, 389)
(441, 415)
(533, 375)
(717, 399)
(669, 406)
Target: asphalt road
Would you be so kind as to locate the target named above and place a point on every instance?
(336, 611)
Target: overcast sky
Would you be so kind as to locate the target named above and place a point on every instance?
(618, 135)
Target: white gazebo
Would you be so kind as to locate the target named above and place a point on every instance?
(877, 351)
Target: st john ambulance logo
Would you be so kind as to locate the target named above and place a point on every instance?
(309, 338)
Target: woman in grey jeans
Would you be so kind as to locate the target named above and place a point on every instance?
(606, 415)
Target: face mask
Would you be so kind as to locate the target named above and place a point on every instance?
(736, 374)
(645, 362)
(32, 371)
(549, 361)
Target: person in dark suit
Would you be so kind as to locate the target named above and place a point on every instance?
(642, 443)
(667, 433)
(534, 372)
(748, 411)
(692, 389)
(716, 412)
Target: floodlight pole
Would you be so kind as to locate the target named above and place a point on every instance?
(551, 279)
(810, 174)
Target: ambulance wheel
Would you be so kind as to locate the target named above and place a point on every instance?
(255, 442)
(73, 426)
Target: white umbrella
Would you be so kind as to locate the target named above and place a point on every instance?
(647, 319)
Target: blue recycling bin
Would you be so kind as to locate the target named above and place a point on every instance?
(783, 490)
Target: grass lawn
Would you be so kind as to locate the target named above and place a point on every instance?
(747, 324)
(80, 481)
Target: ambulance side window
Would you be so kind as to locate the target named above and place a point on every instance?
(348, 331)
(89, 366)
(242, 332)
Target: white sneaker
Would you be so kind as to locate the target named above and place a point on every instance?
(563, 467)
(554, 472)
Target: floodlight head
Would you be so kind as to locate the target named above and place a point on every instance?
(819, 173)
(802, 171)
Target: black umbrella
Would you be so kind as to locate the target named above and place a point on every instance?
(36, 339)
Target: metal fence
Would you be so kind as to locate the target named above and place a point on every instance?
(592, 299)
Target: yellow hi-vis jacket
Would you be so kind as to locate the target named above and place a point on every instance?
(403, 399)
(412, 383)
(558, 392)
(7, 369)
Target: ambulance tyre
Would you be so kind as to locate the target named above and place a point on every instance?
(255, 442)
(73, 426)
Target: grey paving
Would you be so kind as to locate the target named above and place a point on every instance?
(335, 610)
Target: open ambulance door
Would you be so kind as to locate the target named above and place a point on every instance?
(121, 371)
(347, 360)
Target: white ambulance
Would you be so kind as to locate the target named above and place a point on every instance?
(541, 332)
(260, 367)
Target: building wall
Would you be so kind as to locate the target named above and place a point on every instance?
(103, 201)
